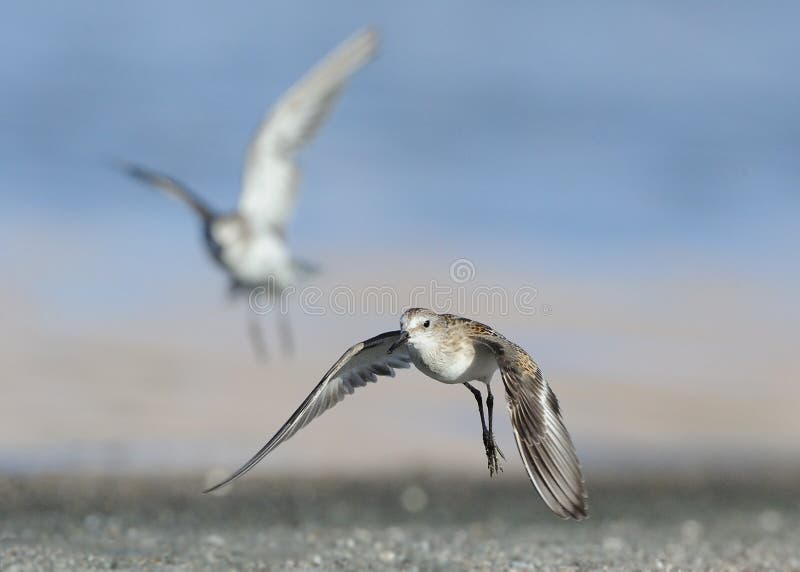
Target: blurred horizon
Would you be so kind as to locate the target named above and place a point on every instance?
(637, 165)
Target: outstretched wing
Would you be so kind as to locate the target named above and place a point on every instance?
(542, 438)
(362, 363)
(270, 176)
(171, 187)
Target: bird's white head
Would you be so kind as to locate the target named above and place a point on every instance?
(420, 322)
(419, 327)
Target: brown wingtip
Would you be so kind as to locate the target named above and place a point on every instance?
(580, 513)
(572, 513)
(573, 510)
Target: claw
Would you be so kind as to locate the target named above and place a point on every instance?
(491, 454)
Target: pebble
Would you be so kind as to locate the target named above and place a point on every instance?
(691, 530)
(770, 521)
(215, 540)
(387, 556)
(414, 499)
(381, 534)
(613, 544)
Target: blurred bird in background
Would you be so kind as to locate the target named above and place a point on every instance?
(250, 242)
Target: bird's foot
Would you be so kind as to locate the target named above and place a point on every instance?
(492, 451)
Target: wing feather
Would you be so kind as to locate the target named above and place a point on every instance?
(171, 187)
(542, 438)
(355, 368)
(270, 175)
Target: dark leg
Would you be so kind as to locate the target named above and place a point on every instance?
(488, 440)
(234, 290)
(256, 337)
(490, 406)
(285, 331)
(479, 399)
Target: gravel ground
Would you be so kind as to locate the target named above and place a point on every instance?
(72, 523)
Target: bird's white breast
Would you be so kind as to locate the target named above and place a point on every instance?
(256, 259)
(450, 363)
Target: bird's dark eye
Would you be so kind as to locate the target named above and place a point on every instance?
(426, 323)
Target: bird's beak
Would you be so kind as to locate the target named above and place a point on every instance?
(398, 342)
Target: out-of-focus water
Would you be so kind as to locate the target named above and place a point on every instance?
(599, 133)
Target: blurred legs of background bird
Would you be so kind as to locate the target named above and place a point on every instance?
(489, 444)
(256, 336)
(285, 333)
(256, 333)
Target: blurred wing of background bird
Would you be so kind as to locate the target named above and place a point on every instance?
(270, 176)
(169, 186)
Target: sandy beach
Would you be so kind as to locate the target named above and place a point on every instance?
(412, 523)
